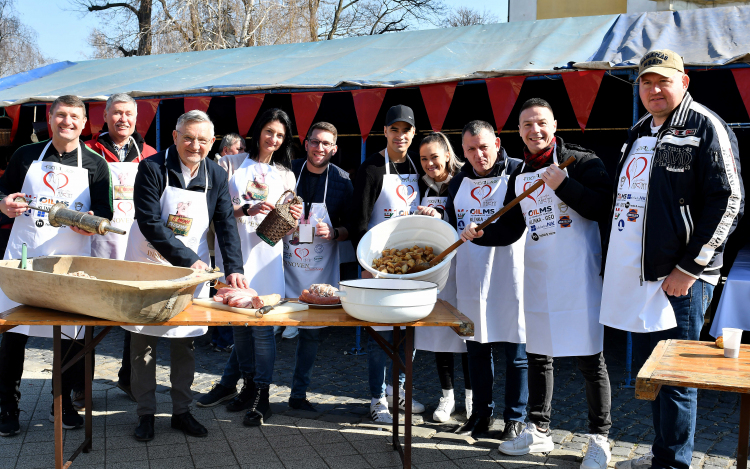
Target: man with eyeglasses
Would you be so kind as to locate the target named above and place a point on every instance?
(177, 194)
(311, 254)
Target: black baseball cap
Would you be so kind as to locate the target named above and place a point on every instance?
(400, 113)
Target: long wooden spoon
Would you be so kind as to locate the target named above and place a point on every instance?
(437, 259)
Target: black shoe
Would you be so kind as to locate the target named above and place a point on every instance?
(9, 425)
(244, 399)
(475, 426)
(70, 418)
(126, 389)
(299, 403)
(260, 411)
(512, 429)
(189, 426)
(218, 394)
(145, 429)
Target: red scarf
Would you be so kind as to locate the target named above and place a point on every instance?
(538, 160)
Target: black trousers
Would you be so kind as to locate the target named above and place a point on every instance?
(12, 351)
(123, 376)
(444, 362)
(598, 393)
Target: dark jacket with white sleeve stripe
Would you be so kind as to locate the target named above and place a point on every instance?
(695, 194)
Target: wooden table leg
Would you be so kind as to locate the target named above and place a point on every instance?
(744, 428)
(89, 370)
(394, 382)
(408, 354)
(57, 393)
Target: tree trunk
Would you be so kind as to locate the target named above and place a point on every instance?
(144, 28)
(313, 5)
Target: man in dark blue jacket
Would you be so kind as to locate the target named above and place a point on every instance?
(177, 194)
(327, 192)
(679, 196)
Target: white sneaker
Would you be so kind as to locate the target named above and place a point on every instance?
(530, 440)
(643, 462)
(469, 407)
(444, 409)
(290, 332)
(416, 407)
(598, 453)
(379, 412)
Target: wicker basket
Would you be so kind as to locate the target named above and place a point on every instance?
(279, 221)
(5, 133)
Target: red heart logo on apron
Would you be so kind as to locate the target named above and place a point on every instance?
(482, 193)
(437, 206)
(54, 181)
(636, 168)
(403, 193)
(536, 193)
(298, 250)
(125, 207)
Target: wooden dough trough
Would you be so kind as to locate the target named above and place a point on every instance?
(124, 291)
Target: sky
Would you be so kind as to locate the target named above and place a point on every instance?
(68, 42)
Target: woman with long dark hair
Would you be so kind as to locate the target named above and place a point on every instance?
(257, 180)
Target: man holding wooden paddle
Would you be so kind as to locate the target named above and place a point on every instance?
(562, 284)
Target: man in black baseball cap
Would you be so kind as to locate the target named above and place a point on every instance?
(386, 186)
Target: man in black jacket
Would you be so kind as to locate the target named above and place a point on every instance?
(177, 194)
(679, 196)
(562, 286)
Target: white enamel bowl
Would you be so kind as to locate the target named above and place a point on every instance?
(405, 232)
(389, 301)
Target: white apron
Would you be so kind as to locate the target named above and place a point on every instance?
(399, 196)
(489, 280)
(186, 213)
(440, 339)
(563, 289)
(254, 183)
(112, 245)
(628, 303)
(46, 184)
(316, 262)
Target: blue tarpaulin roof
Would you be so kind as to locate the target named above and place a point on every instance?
(707, 36)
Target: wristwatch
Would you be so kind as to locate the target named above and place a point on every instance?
(246, 209)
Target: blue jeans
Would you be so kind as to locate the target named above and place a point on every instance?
(482, 372)
(376, 363)
(675, 408)
(254, 354)
(307, 351)
(222, 336)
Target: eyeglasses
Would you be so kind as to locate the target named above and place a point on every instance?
(187, 139)
(326, 145)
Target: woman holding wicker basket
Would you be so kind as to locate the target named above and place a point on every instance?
(259, 180)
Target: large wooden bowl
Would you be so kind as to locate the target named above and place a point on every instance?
(125, 291)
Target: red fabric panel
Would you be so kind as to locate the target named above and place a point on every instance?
(146, 114)
(200, 103)
(247, 107)
(305, 107)
(582, 88)
(14, 112)
(437, 99)
(503, 96)
(742, 79)
(367, 105)
(96, 117)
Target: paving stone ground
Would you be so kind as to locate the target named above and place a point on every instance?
(341, 434)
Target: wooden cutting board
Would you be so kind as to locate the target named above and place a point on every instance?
(285, 308)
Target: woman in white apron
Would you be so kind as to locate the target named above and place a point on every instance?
(45, 183)
(440, 165)
(255, 187)
(562, 287)
(383, 190)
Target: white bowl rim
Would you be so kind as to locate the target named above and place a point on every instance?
(346, 283)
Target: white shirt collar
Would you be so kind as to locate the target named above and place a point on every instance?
(186, 173)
